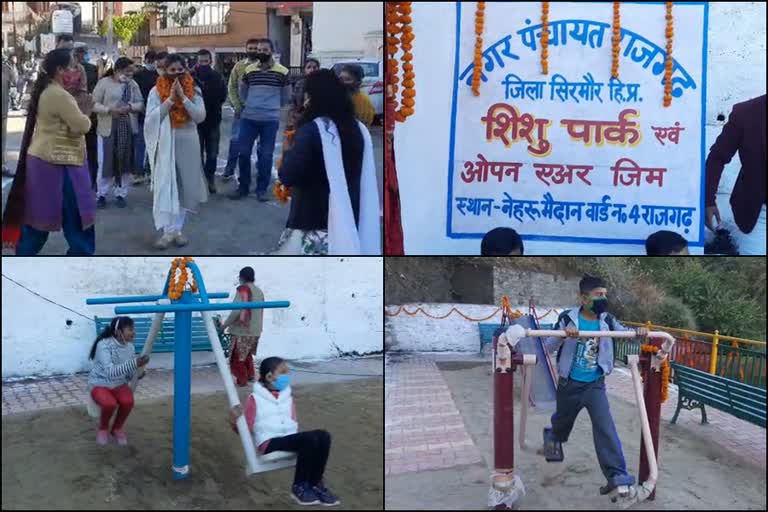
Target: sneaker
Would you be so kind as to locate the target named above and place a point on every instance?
(303, 494)
(102, 436)
(236, 195)
(120, 437)
(121, 202)
(165, 241)
(180, 240)
(326, 498)
(101, 203)
(211, 187)
(228, 175)
(263, 197)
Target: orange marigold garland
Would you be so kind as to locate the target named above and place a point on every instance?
(545, 38)
(665, 371)
(668, 65)
(615, 41)
(175, 289)
(477, 69)
(283, 193)
(178, 113)
(399, 23)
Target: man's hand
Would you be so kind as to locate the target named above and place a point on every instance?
(642, 332)
(571, 332)
(710, 213)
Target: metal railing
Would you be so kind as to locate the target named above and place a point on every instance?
(716, 354)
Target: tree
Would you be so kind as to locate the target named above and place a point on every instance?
(125, 27)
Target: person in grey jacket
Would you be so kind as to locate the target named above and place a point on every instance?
(114, 364)
(10, 77)
(582, 364)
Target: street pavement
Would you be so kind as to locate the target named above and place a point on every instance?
(221, 227)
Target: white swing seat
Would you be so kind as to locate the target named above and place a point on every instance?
(273, 461)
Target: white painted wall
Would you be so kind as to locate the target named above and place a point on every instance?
(420, 333)
(736, 72)
(336, 304)
(344, 30)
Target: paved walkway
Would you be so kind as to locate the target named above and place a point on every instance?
(35, 395)
(423, 430)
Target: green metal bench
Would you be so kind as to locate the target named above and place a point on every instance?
(697, 389)
(487, 330)
(164, 341)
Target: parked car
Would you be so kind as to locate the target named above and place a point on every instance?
(373, 81)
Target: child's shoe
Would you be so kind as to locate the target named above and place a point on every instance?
(120, 437)
(303, 494)
(326, 498)
(102, 436)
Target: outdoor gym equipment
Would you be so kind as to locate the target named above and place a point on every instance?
(506, 486)
(182, 365)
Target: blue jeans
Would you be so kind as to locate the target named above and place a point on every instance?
(139, 151)
(81, 242)
(234, 147)
(209, 148)
(572, 396)
(266, 132)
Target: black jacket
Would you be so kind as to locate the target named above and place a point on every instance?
(303, 170)
(214, 95)
(91, 75)
(146, 80)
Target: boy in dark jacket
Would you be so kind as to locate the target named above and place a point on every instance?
(582, 364)
(214, 95)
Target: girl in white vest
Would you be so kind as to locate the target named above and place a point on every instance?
(271, 417)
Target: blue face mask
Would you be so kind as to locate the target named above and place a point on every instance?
(282, 382)
(150, 67)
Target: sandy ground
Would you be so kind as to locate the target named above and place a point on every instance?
(51, 460)
(693, 474)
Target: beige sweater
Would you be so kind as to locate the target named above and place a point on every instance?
(60, 130)
(108, 93)
(257, 315)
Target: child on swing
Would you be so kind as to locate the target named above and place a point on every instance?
(271, 417)
(114, 363)
(582, 364)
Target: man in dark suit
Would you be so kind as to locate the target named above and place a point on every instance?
(214, 90)
(743, 133)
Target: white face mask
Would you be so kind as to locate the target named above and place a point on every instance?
(160, 71)
(122, 79)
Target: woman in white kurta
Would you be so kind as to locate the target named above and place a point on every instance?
(174, 109)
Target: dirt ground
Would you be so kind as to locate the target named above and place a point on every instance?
(51, 460)
(693, 474)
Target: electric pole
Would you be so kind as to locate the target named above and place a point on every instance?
(110, 28)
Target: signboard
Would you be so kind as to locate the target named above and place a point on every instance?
(576, 155)
(62, 22)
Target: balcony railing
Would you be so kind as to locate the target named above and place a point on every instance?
(203, 30)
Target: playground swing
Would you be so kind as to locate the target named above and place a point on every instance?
(511, 348)
(184, 303)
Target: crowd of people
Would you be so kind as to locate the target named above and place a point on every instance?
(125, 123)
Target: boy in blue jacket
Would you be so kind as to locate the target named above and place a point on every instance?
(582, 364)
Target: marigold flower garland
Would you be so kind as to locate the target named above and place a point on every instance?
(668, 69)
(665, 371)
(616, 40)
(178, 113)
(283, 193)
(477, 69)
(399, 22)
(545, 38)
(175, 289)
